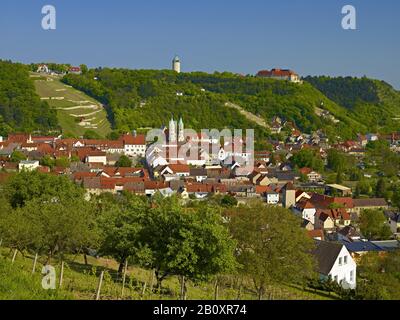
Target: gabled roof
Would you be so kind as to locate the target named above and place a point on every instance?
(313, 234)
(373, 202)
(134, 140)
(326, 254)
(362, 246)
(334, 214)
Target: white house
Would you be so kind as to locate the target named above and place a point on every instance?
(335, 262)
(134, 146)
(306, 210)
(97, 157)
(179, 170)
(28, 165)
(272, 197)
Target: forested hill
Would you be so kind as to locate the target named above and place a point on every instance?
(148, 98)
(375, 103)
(20, 107)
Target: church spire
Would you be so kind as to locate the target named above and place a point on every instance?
(181, 134)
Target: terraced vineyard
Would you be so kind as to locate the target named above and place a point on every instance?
(77, 113)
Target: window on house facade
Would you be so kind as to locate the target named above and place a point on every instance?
(336, 278)
(340, 261)
(345, 260)
(351, 276)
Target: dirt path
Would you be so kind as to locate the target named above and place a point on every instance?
(250, 116)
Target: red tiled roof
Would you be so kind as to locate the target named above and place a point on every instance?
(179, 168)
(305, 204)
(334, 214)
(132, 140)
(155, 185)
(316, 234)
(263, 189)
(305, 171)
(276, 73)
(18, 138)
(206, 188)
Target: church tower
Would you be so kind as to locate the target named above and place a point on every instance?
(176, 64)
(172, 131)
(181, 131)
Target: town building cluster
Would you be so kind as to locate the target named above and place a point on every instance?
(330, 217)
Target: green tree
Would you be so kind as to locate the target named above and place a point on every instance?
(272, 248)
(124, 162)
(26, 186)
(307, 158)
(374, 226)
(90, 134)
(229, 201)
(61, 226)
(120, 223)
(17, 156)
(336, 160)
(84, 68)
(381, 188)
(191, 243)
(63, 162)
(378, 277)
(339, 177)
(48, 161)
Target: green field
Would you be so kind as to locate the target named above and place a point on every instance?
(77, 112)
(80, 282)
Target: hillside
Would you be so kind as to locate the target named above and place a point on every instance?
(20, 107)
(373, 102)
(80, 282)
(148, 98)
(76, 112)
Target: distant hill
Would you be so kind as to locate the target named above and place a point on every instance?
(371, 102)
(148, 98)
(20, 107)
(142, 99)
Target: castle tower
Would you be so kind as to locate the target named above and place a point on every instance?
(176, 64)
(181, 131)
(172, 131)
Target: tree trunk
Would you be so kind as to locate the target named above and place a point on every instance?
(121, 267)
(48, 261)
(216, 290)
(183, 287)
(85, 258)
(261, 292)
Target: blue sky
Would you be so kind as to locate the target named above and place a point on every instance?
(209, 35)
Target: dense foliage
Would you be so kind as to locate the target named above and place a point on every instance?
(271, 246)
(374, 103)
(20, 107)
(148, 98)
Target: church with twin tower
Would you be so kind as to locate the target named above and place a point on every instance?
(176, 136)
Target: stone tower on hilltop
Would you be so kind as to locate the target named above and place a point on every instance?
(176, 64)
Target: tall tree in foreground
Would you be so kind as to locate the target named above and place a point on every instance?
(120, 224)
(272, 248)
(186, 242)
